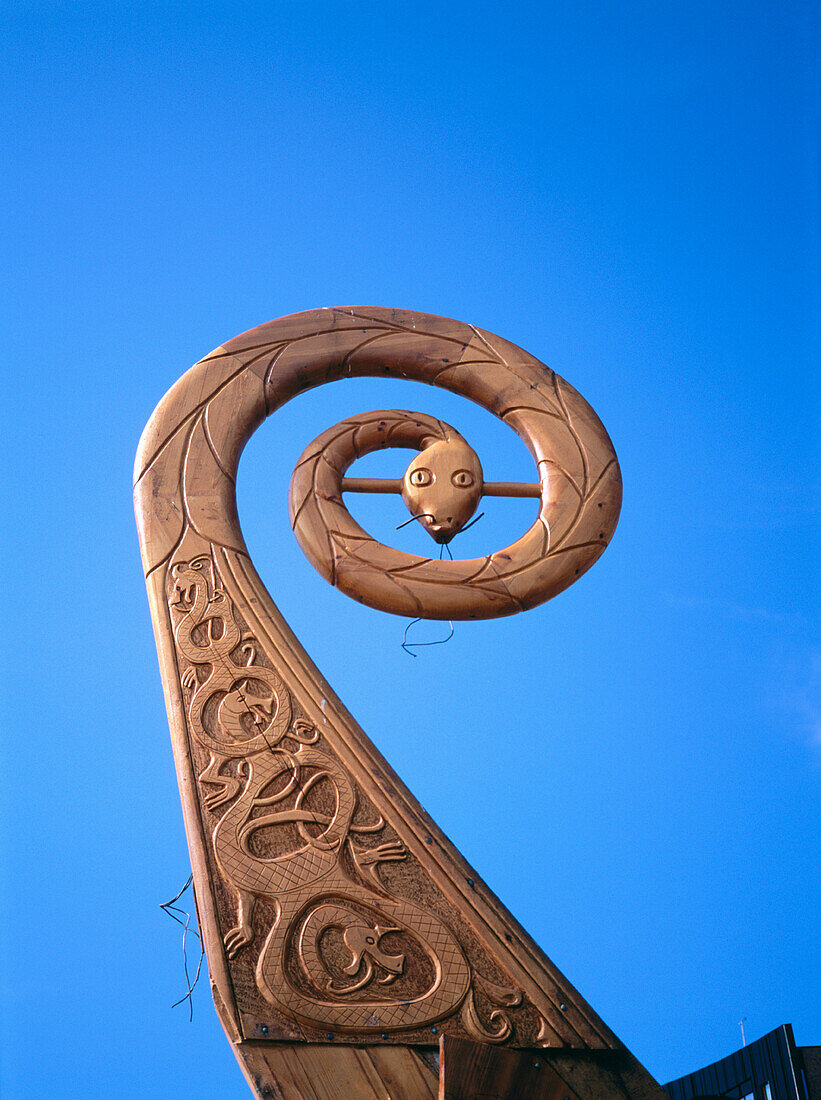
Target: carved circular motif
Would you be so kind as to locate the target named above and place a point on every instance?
(342, 952)
(406, 584)
(251, 376)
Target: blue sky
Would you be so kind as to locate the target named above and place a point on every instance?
(626, 190)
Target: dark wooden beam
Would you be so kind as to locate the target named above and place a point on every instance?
(479, 1071)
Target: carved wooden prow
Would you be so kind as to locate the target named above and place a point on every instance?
(345, 934)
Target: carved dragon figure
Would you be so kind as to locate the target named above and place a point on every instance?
(329, 902)
(251, 726)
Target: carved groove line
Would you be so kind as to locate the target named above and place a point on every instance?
(319, 879)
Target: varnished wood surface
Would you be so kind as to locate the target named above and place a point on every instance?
(333, 909)
(282, 1072)
(394, 485)
(477, 1071)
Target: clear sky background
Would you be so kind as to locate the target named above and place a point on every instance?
(626, 190)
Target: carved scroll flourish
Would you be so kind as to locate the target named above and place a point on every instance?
(311, 861)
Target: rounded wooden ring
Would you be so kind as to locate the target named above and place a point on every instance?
(241, 383)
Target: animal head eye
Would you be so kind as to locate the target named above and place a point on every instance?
(421, 477)
(462, 479)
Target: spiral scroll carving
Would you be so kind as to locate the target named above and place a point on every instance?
(576, 462)
(329, 901)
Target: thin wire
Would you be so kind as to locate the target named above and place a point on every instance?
(171, 909)
(422, 515)
(469, 525)
(444, 548)
(407, 646)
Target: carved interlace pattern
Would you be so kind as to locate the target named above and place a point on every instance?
(315, 888)
(293, 854)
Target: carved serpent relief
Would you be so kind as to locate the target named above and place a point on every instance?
(325, 892)
(344, 553)
(502, 583)
(311, 887)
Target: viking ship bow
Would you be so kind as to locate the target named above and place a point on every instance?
(346, 937)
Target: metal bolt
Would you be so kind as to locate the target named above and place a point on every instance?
(384, 1034)
(329, 1035)
(433, 1029)
(470, 883)
(563, 1008)
(264, 1029)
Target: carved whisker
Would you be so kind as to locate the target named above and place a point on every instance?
(422, 515)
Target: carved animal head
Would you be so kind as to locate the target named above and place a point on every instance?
(442, 486)
(187, 577)
(239, 704)
(363, 939)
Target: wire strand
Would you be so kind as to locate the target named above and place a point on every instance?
(408, 646)
(422, 515)
(172, 910)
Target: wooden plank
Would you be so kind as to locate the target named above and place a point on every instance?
(405, 1075)
(604, 1075)
(468, 1071)
(282, 1071)
(479, 1071)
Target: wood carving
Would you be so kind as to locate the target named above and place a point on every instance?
(332, 908)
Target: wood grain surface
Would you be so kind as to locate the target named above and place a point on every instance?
(342, 928)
